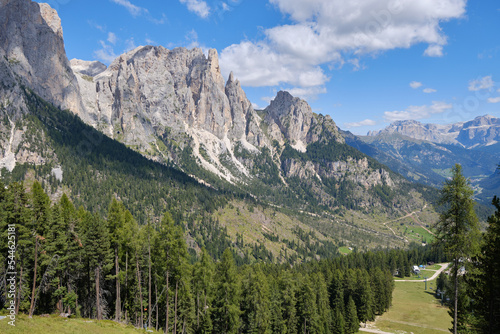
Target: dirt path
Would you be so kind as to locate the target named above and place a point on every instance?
(371, 330)
(436, 274)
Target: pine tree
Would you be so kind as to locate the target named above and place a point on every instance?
(255, 302)
(226, 315)
(484, 285)
(457, 230)
(338, 322)
(351, 317)
(203, 273)
(100, 258)
(307, 310)
(115, 224)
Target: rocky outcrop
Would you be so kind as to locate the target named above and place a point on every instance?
(291, 118)
(31, 43)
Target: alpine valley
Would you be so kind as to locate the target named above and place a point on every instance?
(162, 129)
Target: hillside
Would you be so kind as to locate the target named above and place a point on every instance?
(194, 147)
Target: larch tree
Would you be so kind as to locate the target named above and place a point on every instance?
(458, 230)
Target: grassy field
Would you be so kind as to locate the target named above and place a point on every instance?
(414, 310)
(56, 324)
(345, 250)
(426, 273)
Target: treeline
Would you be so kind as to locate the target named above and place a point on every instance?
(69, 260)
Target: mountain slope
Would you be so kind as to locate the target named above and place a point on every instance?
(173, 109)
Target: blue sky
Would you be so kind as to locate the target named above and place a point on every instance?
(366, 63)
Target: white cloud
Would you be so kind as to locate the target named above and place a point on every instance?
(130, 44)
(198, 7)
(132, 9)
(307, 93)
(494, 99)
(366, 122)
(482, 83)
(429, 90)
(417, 112)
(112, 38)
(415, 84)
(106, 54)
(434, 51)
(326, 32)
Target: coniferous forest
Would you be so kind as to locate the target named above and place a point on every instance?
(69, 260)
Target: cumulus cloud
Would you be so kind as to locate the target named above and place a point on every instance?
(106, 54)
(112, 38)
(429, 90)
(132, 9)
(494, 99)
(198, 7)
(366, 122)
(434, 51)
(417, 112)
(330, 32)
(307, 93)
(482, 83)
(415, 84)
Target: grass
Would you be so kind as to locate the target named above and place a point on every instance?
(415, 310)
(56, 324)
(345, 250)
(434, 267)
(426, 273)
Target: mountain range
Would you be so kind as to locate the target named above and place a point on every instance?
(425, 152)
(161, 121)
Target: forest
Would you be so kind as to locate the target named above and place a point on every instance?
(69, 260)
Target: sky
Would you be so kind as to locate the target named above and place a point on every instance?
(366, 63)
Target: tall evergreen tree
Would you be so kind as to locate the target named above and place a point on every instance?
(227, 296)
(457, 230)
(100, 258)
(485, 280)
(351, 317)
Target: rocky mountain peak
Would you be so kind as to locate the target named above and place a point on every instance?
(32, 47)
(89, 68)
(52, 19)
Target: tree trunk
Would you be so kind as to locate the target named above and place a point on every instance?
(118, 297)
(140, 290)
(156, 299)
(19, 291)
(175, 307)
(456, 298)
(198, 309)
(149, 283)
(98, 300)
(126, 285)
(32, 306)
(166, 318)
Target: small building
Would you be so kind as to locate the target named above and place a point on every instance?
(416, 270)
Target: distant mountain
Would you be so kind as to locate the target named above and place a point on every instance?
(482, 131)
(426, 152)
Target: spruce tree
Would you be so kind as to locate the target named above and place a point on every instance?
(457, 230)
(351, 317)
(485, 281)
(227, 296)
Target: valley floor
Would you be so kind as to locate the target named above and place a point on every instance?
(414, 310)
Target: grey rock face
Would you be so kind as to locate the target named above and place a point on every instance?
(291, 118)
(31, 41)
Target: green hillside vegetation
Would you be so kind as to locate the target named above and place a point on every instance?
(67, 257)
